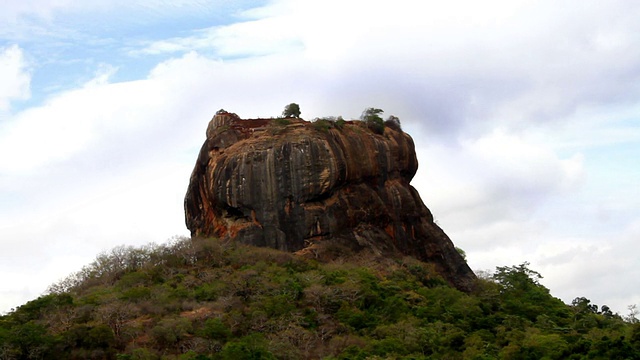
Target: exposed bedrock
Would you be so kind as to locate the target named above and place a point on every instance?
(291, 184)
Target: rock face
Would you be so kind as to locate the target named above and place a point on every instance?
(291, 185)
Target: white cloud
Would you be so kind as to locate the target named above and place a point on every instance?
(240, 39)
(83, 119)
(521, 166)
(586, 266)
(498, 177)
(456, 66)
(15, 84)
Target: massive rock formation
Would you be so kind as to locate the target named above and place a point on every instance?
(291, 185)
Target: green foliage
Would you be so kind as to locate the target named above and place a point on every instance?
(323, 125)
(207, 292)
(204, 299)
(137, 293)
(291, 110)
(99, 337)
(328, 122)
(517, 278)
(140, 353)
(376, 125)
(462, 253)
(215, 329)
(371, 117)
(282, 121)
(522, 293)
(335, 277)
(169, 331)
(252, 346)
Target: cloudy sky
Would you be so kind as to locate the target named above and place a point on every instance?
(525, 115)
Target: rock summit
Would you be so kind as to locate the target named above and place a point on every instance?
(295, 185)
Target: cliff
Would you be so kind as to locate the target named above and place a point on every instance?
(296, 186)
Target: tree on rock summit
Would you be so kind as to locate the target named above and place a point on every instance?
(291, 110)
(371, 116)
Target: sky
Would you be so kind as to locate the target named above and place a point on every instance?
(525, 115)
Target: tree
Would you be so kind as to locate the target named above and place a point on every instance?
(393, 122)
(584, 305)
(519, 277)
(292, 110)
(633, 313)
(371, 116)
(522, 294)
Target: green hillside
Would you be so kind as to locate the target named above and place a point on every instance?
(203, 299)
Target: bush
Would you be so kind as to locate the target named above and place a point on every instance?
(171, 330)
(322, 125)
(215, 329)
(252, 346)
(371, 116)
(282, 122)
(207, 292)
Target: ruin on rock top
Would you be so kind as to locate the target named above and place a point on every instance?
(295, 185)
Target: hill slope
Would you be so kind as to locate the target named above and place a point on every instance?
(207, 299)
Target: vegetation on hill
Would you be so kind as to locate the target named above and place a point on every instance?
(204, 299)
